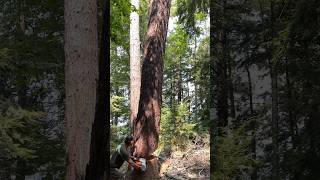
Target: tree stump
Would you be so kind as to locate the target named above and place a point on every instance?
(151, 173)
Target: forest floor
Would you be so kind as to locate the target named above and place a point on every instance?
(191, 163)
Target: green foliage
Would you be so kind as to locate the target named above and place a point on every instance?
(178, 38)
(14, 125)
(119, 72)
(120, 21)
(22, 141)
(143, 21)
(117, 134)
(233, 159)
(118, 105)
(190, 11)
(175, 130)
(185, 129)
(17, 142)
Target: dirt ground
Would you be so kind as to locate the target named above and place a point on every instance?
(192, 163)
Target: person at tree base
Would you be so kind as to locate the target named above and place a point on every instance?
(123, 153)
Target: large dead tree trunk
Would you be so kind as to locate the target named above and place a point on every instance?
(86, 109)
(99, 148)
(135, 73)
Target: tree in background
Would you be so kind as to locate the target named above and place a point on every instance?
(269, 79)
(135, 72)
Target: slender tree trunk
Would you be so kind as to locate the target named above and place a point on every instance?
(275, 119)
(172, 95)
(180, 90)
(290, 107)
(86, 109)
(21, 172)
(254, 174)
(147, 124)
(21, 21)
(195, 80)
(275, 172)
(135, 72)
(231, 90)
(250, 87)
(115, 119)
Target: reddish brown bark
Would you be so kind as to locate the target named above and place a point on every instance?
(151, 173)
(147, 124)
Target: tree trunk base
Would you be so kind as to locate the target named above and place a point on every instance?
(151, 173)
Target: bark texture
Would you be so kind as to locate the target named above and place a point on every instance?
(99, 149)
(151, 173)
(147, 124)
(275, 171)
(81, 74)
(135, 72)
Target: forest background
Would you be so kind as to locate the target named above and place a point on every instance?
(259, 84)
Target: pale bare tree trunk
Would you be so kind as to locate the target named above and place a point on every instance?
(135, 72)
(81, 74)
